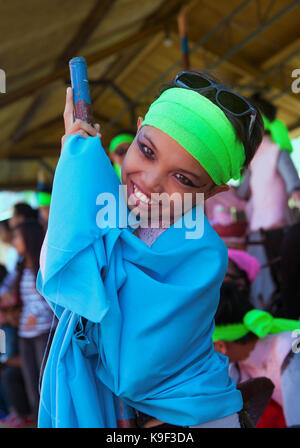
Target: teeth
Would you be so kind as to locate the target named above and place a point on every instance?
(141, 195)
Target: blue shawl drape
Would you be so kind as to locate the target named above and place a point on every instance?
(150, 311)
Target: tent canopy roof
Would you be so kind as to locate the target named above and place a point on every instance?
(131, 48)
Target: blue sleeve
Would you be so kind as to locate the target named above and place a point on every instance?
(71, 252)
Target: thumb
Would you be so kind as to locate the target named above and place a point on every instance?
(69, 110)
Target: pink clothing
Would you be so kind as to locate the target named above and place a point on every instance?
(267, 207)
(217, 208)
(266, 360)
(246, 262)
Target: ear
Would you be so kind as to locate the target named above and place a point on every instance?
(220, 346)
(215, 189)
(139, 123)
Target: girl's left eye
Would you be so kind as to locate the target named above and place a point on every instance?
(146, 151)
(184, 180)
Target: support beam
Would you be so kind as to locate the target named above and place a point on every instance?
(294, 126)
(20, 186)
(33, 145)
(223, 58)
(47, 167)
(252, 35)
(97, 14)
(63, 72)
(81, 36)
(36, 151)
(284, 54)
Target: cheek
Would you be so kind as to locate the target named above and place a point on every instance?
(188, 199)
(129, 162)
(18, 243)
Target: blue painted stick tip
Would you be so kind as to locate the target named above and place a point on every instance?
(77, 60)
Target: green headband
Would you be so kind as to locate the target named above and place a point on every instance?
(43, 199)
(203, 130)
(118, 170)
(258, 322)
(118, 139)
(279, 133)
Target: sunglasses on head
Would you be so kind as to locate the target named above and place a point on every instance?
(226, 99)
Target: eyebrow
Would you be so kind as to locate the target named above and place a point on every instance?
(149, 140)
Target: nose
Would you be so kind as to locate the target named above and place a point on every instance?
(153, 180)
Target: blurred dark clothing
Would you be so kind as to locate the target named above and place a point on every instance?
(14, 391)
(290, 272)
(33, 359)
(11, 378)
(273, 242)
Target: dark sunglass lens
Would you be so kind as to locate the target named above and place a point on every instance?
(193, 81)
(232, 102)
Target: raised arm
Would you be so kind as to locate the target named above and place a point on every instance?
(77, 127)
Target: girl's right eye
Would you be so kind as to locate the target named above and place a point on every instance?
(148, 152)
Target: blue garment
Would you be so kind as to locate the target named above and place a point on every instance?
(149, 310)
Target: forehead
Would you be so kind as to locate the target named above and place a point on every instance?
(122, 146)
(171, 152)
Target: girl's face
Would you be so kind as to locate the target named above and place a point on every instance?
(156, 163)
(18, 242)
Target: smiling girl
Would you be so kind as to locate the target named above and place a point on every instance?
(134, 340)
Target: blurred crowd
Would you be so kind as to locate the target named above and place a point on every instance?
(259, 305)
(26, 320)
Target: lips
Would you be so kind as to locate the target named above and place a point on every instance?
(141, 197)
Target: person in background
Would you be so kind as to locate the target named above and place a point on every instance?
(3, 273)
(225, 213)
(36, 317)
(290, 273)
(22, 212)
(44, 199)
(269, 182)
(118, 148)
(257, 345)
(11, 255)
(14, 407)
(242, 269)
(3, 404)
(11, 378)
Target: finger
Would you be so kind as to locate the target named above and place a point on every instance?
(97, 127)
(69, 110)
(81, 132)
(89, 129)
